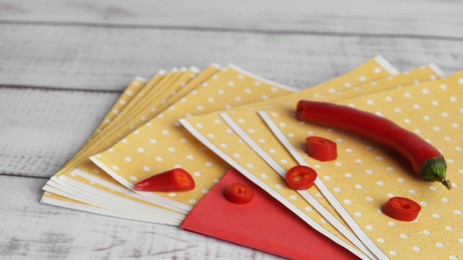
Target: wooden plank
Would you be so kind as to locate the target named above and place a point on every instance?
(30, 230)
(83, 57)
(41, 129)
(391, 18)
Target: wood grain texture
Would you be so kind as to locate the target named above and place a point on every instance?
(36, 231)
(413, 18)
(63, 63)
(41, 129)
(105, 58)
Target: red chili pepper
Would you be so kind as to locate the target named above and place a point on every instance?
(321, 148)
(238, 193)
(401, 209)
(172, 180)
(300, 177)
(427, 161)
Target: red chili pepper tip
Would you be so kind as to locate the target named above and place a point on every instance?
(401, 209)
(300, 177)
(238, 193)
(173, 180)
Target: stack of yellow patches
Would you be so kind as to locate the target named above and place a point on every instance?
(209, 121)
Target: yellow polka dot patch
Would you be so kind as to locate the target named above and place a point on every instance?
(240, 154)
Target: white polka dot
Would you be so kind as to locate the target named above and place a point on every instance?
(449, 228)
(133, 178)
(250, 165)
(183, 140)
(165, 132)
(440, 244)
(171, 149)
(412, 191)
(427, 232)
(124, 141)
(445, 200)
(204, 191)
(348, 202)
(369, 227)
(358, 186)
(362, 78)
(127, 159)
(348, 175)
(369, 172)
(172, 194)
(190, 157)
(197, 174)
(436, 216)
(391, 224)
(416, 249)
(358, 214)
(337, 189)
(237, 155)
(146, 169)
(458, 212)
(199, 107)
(159, 159)
(293, 197)
(393, 253)
(140, 150)
(377, 70)
(404, 236)
(381, 240)
(111, 150)
(380, 183)
(368, 198)
(278, 186)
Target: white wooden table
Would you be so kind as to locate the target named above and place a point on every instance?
(63, 64)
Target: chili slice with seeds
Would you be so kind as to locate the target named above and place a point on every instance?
(401, 209)
(173, 180)
(238, 193)
(300, 177)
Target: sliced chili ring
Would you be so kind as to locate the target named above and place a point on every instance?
(238, 193)
(173, 180)
(300, 177)
(401, 209)
(321, 148)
